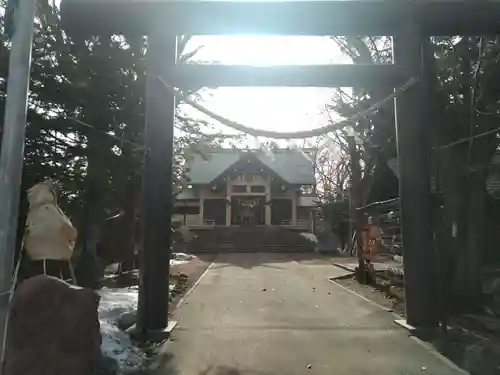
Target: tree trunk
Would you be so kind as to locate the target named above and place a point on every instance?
(463, 168)
(132, 193)
(464, 193)
(468, 280)
(89, 270)
(361, 271)
(454, 231)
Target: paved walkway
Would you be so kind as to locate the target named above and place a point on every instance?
(266, 314)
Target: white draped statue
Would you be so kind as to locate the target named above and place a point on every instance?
(49, 234)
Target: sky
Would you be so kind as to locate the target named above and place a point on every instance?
(276, 108)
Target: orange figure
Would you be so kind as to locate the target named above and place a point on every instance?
(371, 237)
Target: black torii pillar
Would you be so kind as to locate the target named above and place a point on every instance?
(414, 165)
(156, 200)
(157, 184)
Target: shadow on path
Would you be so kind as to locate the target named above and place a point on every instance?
(267, 259)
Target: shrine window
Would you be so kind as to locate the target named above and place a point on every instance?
(239, 189)
(257, 189)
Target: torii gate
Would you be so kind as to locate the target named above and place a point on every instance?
(406, 21)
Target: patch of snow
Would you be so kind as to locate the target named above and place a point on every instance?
(398, 258)
(310, 236)
(175, 262)
(116, 344)
(114, 302)
(181, 258)
(112, 268)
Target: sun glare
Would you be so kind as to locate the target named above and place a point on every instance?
(275, 107)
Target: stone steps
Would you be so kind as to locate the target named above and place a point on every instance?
(250, 240)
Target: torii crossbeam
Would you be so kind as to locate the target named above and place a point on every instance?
(338, 17)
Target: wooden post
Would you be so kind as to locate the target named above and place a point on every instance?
(294, 209)
(355, 202)
(414, 145)
(352, 214)
(157, 201)
(267, 209)
(228, 204)
(12, 151)
(202, 210)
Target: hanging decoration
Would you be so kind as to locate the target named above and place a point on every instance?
(291, 135)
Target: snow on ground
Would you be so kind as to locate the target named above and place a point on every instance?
(309, 236)
(181, 258)
(112, 268)
(116, 344)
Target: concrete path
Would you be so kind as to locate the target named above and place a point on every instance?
(267, 314)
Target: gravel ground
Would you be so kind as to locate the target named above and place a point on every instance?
(193, 270)
(470, 350)
(376, 294)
